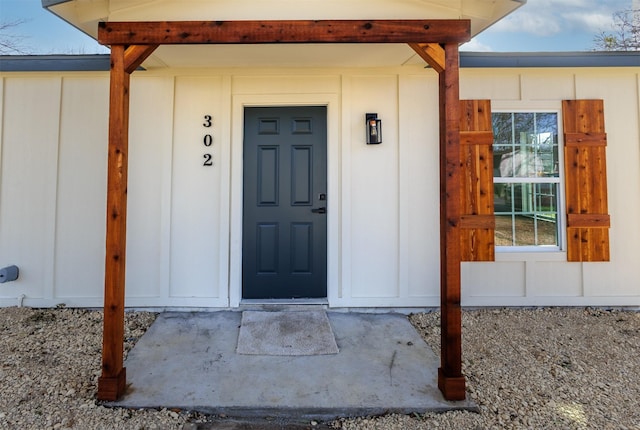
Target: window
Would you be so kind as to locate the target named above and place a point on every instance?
(527, 172)
(515, 199)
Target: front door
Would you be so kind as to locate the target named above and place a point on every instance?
(284, 235)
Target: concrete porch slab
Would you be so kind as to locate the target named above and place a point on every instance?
(189, 361)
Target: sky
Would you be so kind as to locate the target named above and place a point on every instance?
(539, 25)
(551, 25)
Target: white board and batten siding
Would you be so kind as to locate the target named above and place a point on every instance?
(545, 278)
(185, 219)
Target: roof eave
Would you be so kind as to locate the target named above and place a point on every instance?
(549, 59)
(48, 3)
(488, 60)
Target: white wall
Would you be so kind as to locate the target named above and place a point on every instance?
(52, 187)
(184, 219)
(79, 201)
(29, 181)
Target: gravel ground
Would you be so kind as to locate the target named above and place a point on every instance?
(526, 369)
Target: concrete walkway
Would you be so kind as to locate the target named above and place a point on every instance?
(189, 361)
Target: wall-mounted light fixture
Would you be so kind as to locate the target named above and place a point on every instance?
(374, 129)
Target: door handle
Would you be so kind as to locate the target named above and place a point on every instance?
(319, 211)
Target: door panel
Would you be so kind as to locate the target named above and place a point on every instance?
(284, 205)
(268, 174)
(267, 247)
(301, 247)
(301, 176)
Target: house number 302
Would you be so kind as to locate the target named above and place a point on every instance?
(207, 140)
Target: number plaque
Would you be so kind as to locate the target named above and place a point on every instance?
(207, 141)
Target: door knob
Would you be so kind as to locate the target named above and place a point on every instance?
(319, 211)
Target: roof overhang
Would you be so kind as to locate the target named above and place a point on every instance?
(87, 14)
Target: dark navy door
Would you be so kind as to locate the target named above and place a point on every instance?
(284, 249)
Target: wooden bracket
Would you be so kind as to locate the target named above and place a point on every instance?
(432, 53)
(135, 55)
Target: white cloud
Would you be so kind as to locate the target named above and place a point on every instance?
(474, 46)
(590, 21)
(527, 22)
(549, 17)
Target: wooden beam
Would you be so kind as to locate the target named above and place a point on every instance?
(588, 220)
(450, 379)
(432, 53)
(478, 221)
(111, 384)
(585, 139)
(476, 138)
(257, 32)
(135, 55)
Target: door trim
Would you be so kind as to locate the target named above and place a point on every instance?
(239, 102)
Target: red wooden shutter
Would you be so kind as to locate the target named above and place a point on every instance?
(477, 221)
(585, 143)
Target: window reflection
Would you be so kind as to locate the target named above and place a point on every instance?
(525, 145)
(526, 178)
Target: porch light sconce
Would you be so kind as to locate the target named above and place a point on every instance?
(374, 129)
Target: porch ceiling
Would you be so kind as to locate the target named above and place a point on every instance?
(326, 55)
(85, 15)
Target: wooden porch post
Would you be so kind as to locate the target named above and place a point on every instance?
(124, 60)
(113, 380)
(450, 379)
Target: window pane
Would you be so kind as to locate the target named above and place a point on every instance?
(525, 145)
(502, 129)
(523, 124)
(547, 143)
(526, 214)
(502, 142)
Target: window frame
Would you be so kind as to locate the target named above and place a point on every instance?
(529, 107)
